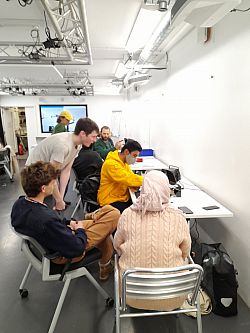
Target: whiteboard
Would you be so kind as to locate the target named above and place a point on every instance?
(116, 123)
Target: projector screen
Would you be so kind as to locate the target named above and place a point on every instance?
(50, 113)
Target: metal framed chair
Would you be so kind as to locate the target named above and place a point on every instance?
(158, 283)
(38, 259)
(5, 162)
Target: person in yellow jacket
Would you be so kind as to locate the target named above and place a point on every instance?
(117, 176)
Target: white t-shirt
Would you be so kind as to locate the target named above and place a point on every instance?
(58, 147)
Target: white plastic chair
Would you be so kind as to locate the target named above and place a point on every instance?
(158, 283)
(38, 259)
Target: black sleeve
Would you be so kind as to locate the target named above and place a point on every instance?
(59, 238)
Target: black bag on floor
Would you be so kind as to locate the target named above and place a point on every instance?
(219, 279)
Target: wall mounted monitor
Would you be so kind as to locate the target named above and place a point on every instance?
(50, 113)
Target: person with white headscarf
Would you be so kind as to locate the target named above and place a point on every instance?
(152, 234)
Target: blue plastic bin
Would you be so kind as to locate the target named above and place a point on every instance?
(147, 152)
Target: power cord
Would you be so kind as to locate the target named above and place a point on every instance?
(195, 226)
(24, 3)
(239, 10)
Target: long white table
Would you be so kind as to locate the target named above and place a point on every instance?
(194, 198)
(148, 163)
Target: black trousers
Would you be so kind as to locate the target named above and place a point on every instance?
(121, 206)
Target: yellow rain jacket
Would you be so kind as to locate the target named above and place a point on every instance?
(116, 178)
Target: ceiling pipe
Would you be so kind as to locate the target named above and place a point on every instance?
(157, 37)
(56, 26)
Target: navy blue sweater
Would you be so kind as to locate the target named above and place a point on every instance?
(48, 228)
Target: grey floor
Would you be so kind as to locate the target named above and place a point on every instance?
(83, 310)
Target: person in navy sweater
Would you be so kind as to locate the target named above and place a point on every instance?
(70, 239)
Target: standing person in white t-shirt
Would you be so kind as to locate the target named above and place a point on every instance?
(61, 149)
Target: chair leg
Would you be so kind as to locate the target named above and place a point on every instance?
(117, 297)
(96, 284)
(59, 306)
(117, 313)
(199, 323)
(8, 171)
(76, 207)
(26, 275)
(85, 205)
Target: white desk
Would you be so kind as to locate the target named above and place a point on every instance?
(148, 163)
(194, 198)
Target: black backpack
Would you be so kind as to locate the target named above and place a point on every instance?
(88, 189)
(219, 279)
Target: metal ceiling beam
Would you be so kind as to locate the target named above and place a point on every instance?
(12, 60)
(83, 20)
(42, 85)
(74, 33)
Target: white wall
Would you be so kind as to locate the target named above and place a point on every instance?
(197, 115)
(99, 109)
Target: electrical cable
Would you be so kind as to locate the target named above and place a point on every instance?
(239, 10)
(47, 31)
(24, 3)
(195, 226)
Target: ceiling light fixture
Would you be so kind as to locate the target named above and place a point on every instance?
(163, 6)
(145, 23)
(121, 70)
(56, 69)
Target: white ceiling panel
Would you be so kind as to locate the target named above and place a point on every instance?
(110, 22)
(30, 72)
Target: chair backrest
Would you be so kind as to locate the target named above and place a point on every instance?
(4, 156)
(36, 255)
(161, 283)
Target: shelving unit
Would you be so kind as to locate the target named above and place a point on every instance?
(22, 131)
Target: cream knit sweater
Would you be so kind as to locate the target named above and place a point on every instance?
(159, 239)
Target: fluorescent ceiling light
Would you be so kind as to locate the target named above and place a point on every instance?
(81, 60)
(58, 72)
(121, 70)
(143, 28)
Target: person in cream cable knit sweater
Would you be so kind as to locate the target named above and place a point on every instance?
(151, 234)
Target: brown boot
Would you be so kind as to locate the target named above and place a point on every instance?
(105, 270)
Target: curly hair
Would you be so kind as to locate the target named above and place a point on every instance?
(34, 176)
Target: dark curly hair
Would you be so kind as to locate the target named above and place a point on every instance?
(34, 176)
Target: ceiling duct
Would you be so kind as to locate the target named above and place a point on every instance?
(182, 16)
(191, 13)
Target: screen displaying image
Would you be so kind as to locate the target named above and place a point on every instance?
(50, 113)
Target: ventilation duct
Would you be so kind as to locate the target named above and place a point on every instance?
(138, 79)
(185, 14)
